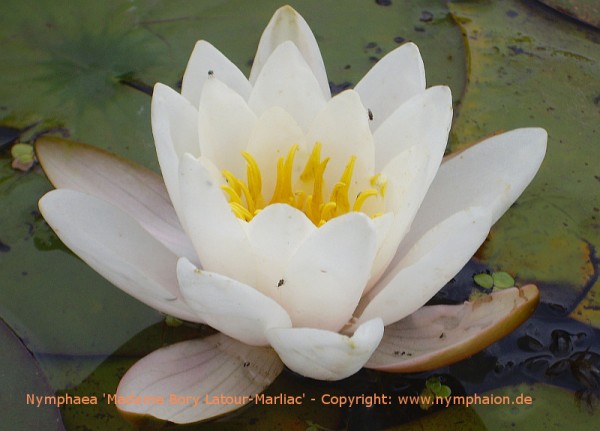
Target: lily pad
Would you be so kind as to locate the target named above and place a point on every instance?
(24, 384)
(525, 62)
(541, 413)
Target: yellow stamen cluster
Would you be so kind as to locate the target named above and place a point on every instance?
(246, 199)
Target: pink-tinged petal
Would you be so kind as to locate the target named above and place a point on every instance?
(288, 25)
(118, 248)
(204, 370)
(426, 267)
(205, 60)
(423, 120)
(175, 130)
(440, 335)
(342, 128)
(491, 174)
(229, 306)
(217, 234)
(275, 235)
(325, 278)
(326, 355)
(288, 82)
(133, 188)
(392, 81)
(225, 124)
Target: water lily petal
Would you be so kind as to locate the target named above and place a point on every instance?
(326, 355)
(491, 174)
(393, 80)
(110, 241)
(274, 134)
(217, 234)
(440, 335)
(424, 119)
(288, 82)
(288, 25)
(409, 175)
(206, 58)
(205, 370)
(131, 187)
(326, 276)
(342, 128)
(220, 107)
(175, 130)
(429, 264)
(275, 235)
(229, 306)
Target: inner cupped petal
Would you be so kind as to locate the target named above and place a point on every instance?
(275, 235)
(274, 133)
(288, 82)
(342, 128)
(218, 236)
(325, 278)
(220, 108)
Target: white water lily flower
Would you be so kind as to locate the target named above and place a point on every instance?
(297, 224)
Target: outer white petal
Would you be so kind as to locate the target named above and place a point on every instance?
(229, 306)
(491, 174)
(287, 24)
(429, 264)
(342, 128)
(225, 124)
(424, 120)
(175, 130)
(326, 355)
(288, 82)
(326, 277)
(217, 234)
(393, 80)
(118, 248)
(275, 235)
(204, 370)
(206, 58)
(133, 188)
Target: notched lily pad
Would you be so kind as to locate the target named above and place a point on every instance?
(439, 335)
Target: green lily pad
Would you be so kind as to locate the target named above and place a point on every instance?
(24, 387)
(525, 64)
(550, 408)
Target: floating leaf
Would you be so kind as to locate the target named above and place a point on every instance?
(484, 280)
(525, 62)
(546, 407)
(502, 280)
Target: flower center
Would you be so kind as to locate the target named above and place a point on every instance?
(246, 199)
